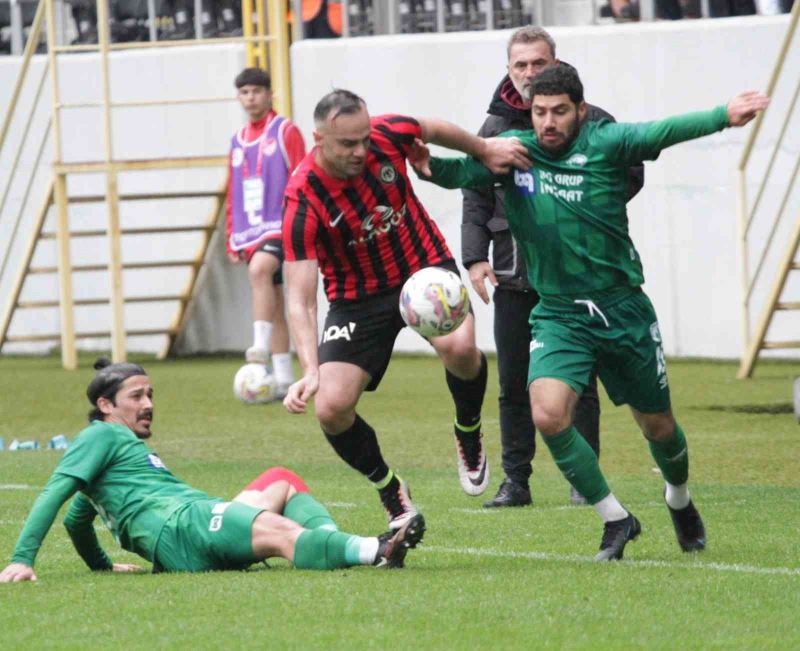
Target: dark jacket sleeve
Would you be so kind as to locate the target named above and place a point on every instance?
(478, 207)
(636, 172)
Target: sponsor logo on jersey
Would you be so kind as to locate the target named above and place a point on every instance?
(388, 173)
(269, 146)
(237, 157)
(381, 220)
(524, 181)
(561, 185)
(534, 345)
(156, 461)
(335, 332)
(577, 160)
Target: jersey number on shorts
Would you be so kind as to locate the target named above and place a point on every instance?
(215, 524)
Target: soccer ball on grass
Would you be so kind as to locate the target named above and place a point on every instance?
(434, 302)
(254, 384)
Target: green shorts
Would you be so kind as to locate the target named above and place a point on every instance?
(621, 339)
(207, 535)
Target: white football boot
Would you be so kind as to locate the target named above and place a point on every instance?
(472, 473)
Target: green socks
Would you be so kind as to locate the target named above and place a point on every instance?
(322, 546)
(578, 463)
(321, 549)
(308, 513)
(672, 457)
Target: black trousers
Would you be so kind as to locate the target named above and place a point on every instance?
(512, 335)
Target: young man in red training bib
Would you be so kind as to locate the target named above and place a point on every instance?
(263, 155)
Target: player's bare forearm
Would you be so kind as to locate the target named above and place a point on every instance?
(301, 278)
(498, 154)
(303, 324)
(447, 134)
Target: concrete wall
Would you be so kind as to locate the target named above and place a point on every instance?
(683, 222)
(142, 132)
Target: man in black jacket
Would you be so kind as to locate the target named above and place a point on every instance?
(530, 50)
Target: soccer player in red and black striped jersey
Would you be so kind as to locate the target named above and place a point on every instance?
(351, 213)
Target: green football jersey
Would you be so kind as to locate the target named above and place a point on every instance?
(568, 212)
(127, 483)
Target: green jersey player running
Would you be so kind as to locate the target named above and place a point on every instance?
(568, 215)
(174, 526)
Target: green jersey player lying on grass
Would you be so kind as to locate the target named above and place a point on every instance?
(568, 215)
(174, 526)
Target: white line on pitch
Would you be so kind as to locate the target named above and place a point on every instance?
(574, 558)
(570, 507)
(19, 487)
(562, 507)
(342, 505)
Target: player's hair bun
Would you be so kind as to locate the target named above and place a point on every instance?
(101, 363)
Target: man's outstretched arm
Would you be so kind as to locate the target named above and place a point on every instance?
(498, 154)
(636, 142)
(57, 491)
(450, 173)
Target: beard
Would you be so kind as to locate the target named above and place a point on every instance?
(525, 90)
(142, 432)
(564, 143)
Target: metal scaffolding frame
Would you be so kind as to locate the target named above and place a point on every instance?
(267, 50)
(756, 342)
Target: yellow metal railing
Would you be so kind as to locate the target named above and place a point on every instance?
(754, 343)
(255, 38)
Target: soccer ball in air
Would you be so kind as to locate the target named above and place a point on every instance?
(434, 302)
(254, 384)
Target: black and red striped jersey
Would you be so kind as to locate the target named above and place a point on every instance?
(368, 233)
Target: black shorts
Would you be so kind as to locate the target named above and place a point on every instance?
(273, 246)
(363, 332)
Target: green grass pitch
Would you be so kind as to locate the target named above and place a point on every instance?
(497, 580)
